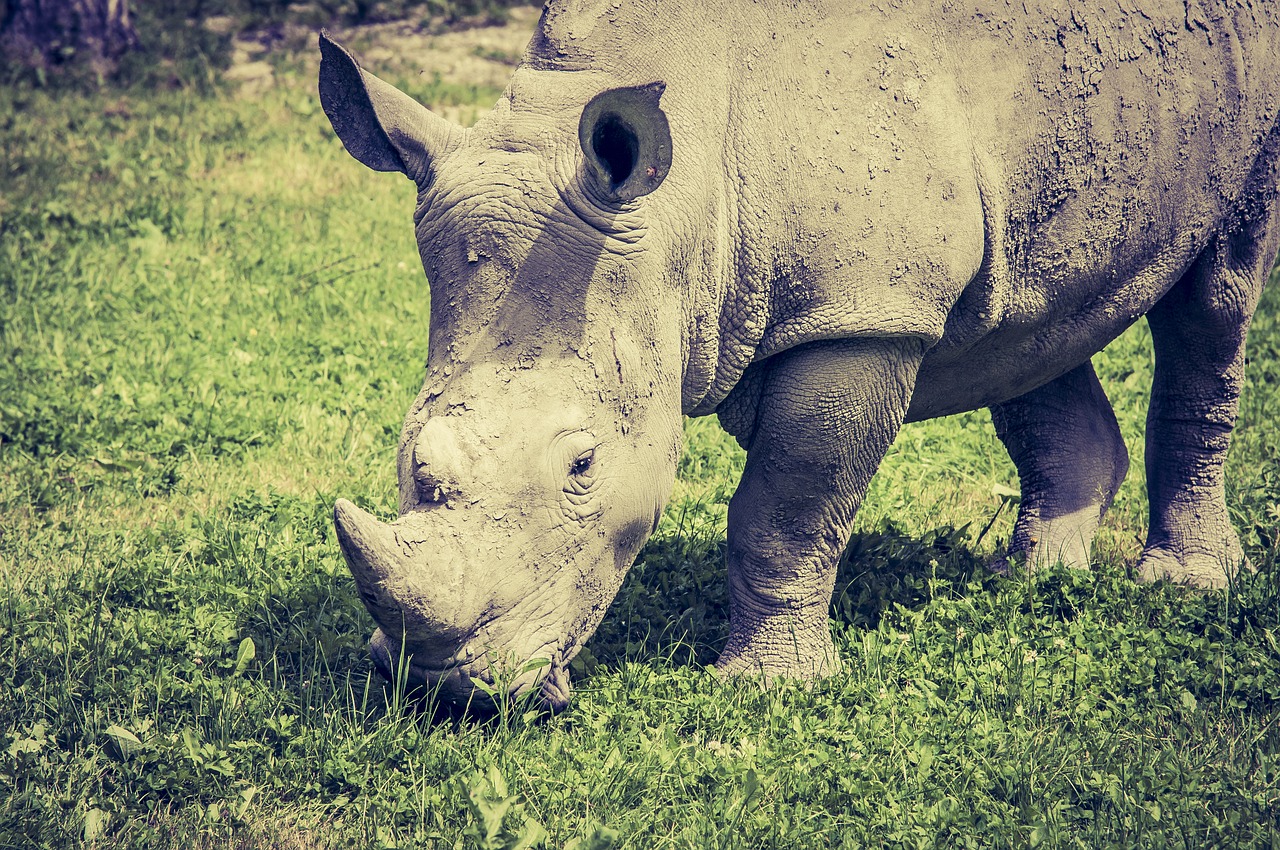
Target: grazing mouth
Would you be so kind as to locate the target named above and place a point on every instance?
(455, 682)
(554, 689)
(387, 658)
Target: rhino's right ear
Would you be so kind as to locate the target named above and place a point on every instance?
(627, 141)
(378, 124)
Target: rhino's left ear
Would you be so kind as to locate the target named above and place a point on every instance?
(627, 140)
(378, 124)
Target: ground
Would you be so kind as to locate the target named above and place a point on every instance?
(212, 321)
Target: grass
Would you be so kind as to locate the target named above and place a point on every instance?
(211, 322)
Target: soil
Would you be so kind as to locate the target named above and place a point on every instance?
(480, 55)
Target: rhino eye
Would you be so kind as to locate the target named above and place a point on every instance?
(582, 464)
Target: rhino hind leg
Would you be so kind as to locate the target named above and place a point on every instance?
(1071, 460)
(1199, 330)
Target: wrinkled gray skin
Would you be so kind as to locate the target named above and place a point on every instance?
(834, 218)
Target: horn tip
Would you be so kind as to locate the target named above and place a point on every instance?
(344, 511)
(351, 521)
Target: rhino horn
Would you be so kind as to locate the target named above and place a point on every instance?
(392, 574)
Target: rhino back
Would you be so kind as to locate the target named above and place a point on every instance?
(1017, 182)
(1014, 183)
(1107, 161)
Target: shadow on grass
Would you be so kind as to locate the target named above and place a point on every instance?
(674, 603)
(673, 607)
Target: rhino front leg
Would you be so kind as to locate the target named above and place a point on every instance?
(826, 414)
(1071, 460)
(1199, 330)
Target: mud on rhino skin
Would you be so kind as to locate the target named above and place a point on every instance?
(817, 221)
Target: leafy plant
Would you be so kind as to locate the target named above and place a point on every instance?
(495, 814)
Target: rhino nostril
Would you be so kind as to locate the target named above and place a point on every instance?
(439, 463)
(431, 490)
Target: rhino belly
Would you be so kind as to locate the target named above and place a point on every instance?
(1028, 348)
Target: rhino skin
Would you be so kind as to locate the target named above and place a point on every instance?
(818, 221)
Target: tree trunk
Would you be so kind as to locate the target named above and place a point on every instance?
(45, 33)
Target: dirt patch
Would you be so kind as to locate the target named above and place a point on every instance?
(481, 56)
(478, 56)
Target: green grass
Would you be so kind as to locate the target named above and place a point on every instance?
(211, 323)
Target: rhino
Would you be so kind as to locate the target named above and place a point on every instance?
(817, 221)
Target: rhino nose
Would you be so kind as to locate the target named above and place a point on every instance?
(440, 462)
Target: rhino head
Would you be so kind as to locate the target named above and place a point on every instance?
(538, 456)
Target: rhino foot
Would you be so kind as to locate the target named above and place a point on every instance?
(781, 658)
(1205, 567)
(1066, 539)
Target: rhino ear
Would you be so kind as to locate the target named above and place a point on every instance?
(627, 140)
(378, 124)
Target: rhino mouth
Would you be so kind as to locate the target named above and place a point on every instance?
(469, 684)
(431, 620)
(553, 689)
